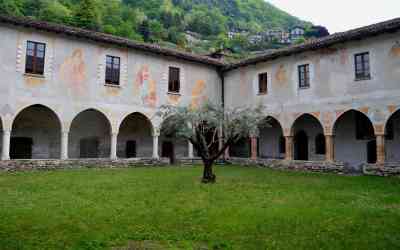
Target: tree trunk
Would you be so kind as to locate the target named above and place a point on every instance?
(208, 175)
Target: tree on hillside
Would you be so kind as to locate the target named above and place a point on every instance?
(11, 7)
(87, 15)
(201, 126)
(56, 12)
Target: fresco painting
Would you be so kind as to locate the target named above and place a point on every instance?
(73, 72)
(281, 74)
(145, 87)
(198, 94)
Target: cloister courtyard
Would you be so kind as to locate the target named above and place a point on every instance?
(168, 208)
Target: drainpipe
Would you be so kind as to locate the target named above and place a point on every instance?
(222, 77)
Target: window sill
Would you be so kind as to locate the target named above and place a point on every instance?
(34, 75)
(262, 94)
(174, 93)
(112, 85)
(304, 87)
(363, 79)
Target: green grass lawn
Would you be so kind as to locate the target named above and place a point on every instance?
(168, 208)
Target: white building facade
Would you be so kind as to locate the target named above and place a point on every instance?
(67, 93)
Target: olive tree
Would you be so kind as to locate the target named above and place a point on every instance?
(211, 129)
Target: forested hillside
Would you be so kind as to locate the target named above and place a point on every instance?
(167, 22)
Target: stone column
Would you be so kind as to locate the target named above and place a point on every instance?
(253, 141)
(64, 145)
(380, 149)
(190, 150)
(289, 148)
(6, 145)
(114, 141)
(330, 148)
(155, 147)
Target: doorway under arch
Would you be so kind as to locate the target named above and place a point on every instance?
(354, 139)
(90, 135)
(36, 134)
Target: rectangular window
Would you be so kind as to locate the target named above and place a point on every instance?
(304, 76)
(362, 66)
(35, 54)
(263, 83)
(112, 70)
(174, 80)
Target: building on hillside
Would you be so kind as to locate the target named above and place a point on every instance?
(296, 33)
(67, 93)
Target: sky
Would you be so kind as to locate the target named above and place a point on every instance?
(341, 15)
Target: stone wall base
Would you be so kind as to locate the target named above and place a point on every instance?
(310, 166)
(387, 169)
(20, 165)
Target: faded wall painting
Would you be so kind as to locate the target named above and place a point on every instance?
(145, 87)
(73, 72)
(198, 96)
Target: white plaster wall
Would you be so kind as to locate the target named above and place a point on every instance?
(88, 124)
(333, 88)
(74, 81)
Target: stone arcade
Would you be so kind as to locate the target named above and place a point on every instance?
(68, 94)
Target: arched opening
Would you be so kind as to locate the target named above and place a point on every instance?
(90, 135)
(354, 139)
(271, 140)
(171, 146)
(135, 137)
(392, 136)
(36, 134)
(306, 129)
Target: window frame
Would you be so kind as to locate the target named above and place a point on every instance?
(263, 85)
(113, 79)
(363, 73)
(174, 85)
(304, 76)
(36, 68)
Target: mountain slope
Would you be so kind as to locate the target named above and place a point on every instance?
(162, 21)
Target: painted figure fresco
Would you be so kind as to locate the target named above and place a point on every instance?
(73, 72)
(145, 87)
(198, 93)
